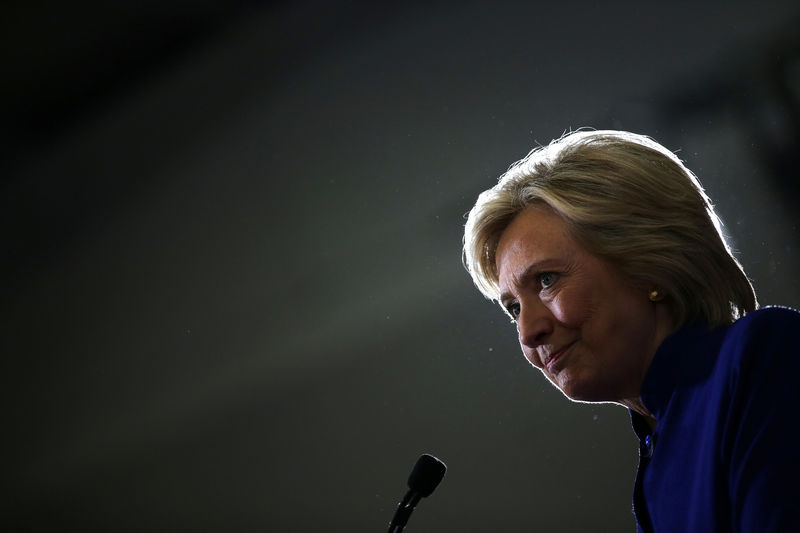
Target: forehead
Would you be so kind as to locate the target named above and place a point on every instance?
(537, 234)
(534, 228)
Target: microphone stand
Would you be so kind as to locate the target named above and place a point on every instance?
(404, 510)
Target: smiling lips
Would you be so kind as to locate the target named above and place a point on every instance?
(553, 357)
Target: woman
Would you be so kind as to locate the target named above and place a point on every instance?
(606, 252)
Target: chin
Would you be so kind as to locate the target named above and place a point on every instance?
(582, 398)
(589, 390)
(585, 394)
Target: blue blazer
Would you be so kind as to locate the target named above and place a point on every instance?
(721, 458)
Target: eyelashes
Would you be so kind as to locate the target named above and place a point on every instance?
(544, 281)
(547, 279)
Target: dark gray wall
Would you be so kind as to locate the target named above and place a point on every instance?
(233, 297)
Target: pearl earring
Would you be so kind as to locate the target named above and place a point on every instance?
(655, 296)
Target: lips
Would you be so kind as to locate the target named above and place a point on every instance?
(553, 357)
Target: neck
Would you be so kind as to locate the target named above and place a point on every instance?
(635, 404)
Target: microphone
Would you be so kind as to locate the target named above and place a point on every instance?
(424, 478)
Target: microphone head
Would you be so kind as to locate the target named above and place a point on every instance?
(427, 474)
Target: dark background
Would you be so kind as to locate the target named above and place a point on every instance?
(232, 295)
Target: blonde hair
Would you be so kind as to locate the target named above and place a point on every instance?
(629, 201)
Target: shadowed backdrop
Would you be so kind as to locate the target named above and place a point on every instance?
(233, 296)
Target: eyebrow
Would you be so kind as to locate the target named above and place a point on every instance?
(532, 270)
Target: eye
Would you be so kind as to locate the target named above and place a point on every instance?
(513, 310)
(546, 279)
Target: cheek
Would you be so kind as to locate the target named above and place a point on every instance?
(529, 356)
(571, 310)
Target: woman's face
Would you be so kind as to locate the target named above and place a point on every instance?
(590, 332)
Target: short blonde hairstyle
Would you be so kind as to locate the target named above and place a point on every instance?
(629, 201)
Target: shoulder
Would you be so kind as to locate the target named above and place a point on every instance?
(762, 345)
(773, 325)
(772, 314)
(761, 353)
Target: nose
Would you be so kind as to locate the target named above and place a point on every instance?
(534, 324)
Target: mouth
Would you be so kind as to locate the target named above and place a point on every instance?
(554, 357)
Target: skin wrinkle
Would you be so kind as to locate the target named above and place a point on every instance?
(608, 326)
